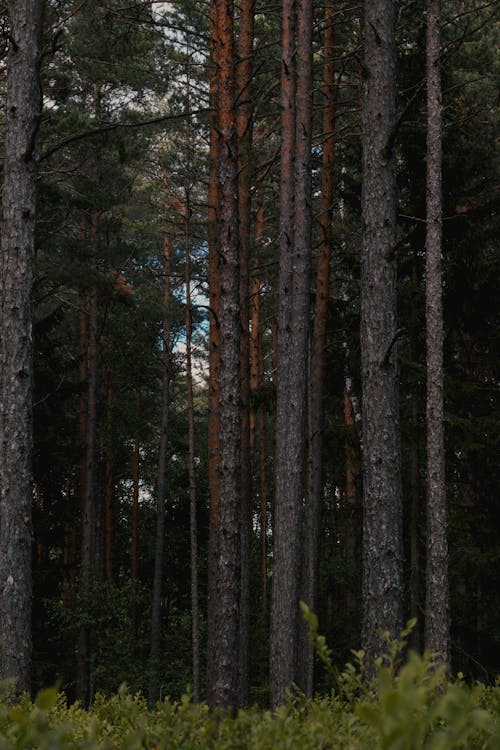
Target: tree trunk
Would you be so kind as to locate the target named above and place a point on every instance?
(437, 638)
(352, 532)
(258, 378)
(22, 113)
(82, 401)
(257, 422)
(287, 505)
(70, 546)
(318, 369)
(382, 514)
(414, 520)
(193, 528)
(89, 510)
(110, 481)
(134, 547)
(244, 131)
(293, 331)
(224, 576)
(214, 330)
(154, 655)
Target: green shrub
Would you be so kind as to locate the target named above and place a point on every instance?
(405, 707)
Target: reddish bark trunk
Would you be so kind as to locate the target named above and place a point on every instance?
(224, 576)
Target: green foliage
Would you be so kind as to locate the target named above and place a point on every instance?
(412, 707)
(417, 708)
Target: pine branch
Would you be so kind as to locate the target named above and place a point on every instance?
(107, 127)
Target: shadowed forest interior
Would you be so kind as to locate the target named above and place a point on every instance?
(249, 341)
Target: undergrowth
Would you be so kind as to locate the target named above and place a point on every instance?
(408, 705)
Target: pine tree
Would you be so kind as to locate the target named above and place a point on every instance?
(437, 636)
(382, 511)
(293, 332)
(224, 575)
(23, 111)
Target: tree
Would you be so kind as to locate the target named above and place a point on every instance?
(244, 124)
(316, 418)
(193, 526)
(382, 512)
(224, 573)
(437, 636)
(293, 331)
(155, 647)
(23, 111)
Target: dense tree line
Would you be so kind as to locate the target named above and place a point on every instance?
(248, 343)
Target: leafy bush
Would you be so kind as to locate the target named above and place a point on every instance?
(405, 707)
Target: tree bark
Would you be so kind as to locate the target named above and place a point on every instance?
(22, 113)
(214, 330)
(193, 527)
(293, 331)
(352, 531)
(437, 638)
(134, 546)
(284, 596)
(382, 513)
(154, 654)
(89, 510)
(414, 521)
(318, 346)
(110, 481)
(244, 131)
(257, 422)
(224, 576)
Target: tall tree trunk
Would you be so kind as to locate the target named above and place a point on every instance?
(414, 521)
(154, 655)
(293, 332)
(352, 533)
(287, 507)
(22, 113)
(255, 356)
(214, 330)
(257, 431)
(382, 513)
(110, 481)
(134, 547)
(70, 545)
(89, 507)
(193, 527)
(224, 576)
(318, 368)
(89, 510)
(437, 637)
(82, 401)
(244, 131)
(258, 379)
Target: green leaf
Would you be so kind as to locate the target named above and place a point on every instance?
(46, 699)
